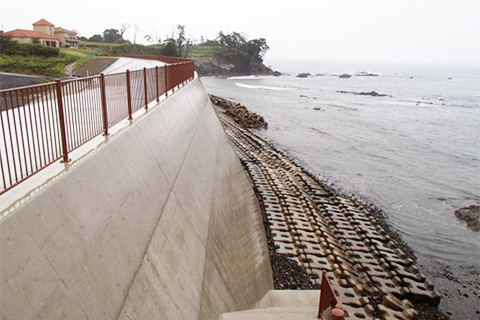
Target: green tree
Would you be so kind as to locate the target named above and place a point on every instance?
(96, 38)
(187, 48)
(112, 36)
(170, 48)
(181, 38)
(232, 41)
(257, 48)
(238, 50)
(149, 39)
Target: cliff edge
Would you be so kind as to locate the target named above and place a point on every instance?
(211, 66)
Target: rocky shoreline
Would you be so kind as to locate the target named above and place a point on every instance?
(313, 227)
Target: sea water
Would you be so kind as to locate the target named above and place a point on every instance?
(414, 152)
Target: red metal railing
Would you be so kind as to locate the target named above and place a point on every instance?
(329, 307)
(41, 124)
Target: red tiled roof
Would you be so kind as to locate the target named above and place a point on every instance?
(61, 30)
(19, 33)
(43, 22)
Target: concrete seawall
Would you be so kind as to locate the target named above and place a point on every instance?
(161, 222)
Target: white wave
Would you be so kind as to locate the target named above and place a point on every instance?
(243, 85)
(250, 77)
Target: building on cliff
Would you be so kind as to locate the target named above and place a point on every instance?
(46, 34)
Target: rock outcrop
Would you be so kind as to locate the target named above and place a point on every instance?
(365, 74)
(210, 66)
(371, 93)
(240, 114)
(471, 216)
(303, 75)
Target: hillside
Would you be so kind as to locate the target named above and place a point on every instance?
(211, 58)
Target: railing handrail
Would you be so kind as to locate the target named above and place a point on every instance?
(78, 78)
(42, 123)
(46, 84)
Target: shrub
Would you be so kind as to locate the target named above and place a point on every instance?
(133, 49)
(12, 48)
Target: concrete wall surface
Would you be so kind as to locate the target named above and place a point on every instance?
(160, 223)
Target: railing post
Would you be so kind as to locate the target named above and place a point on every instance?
(174, 71)
(129, 96)
(157, 83)
(145, 87)
(104, 104)
(329, 307)
(192, 70)
(166, 80)
(61, 115)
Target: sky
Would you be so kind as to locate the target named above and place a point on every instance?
(420, 31)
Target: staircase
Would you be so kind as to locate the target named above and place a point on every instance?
(279, 305)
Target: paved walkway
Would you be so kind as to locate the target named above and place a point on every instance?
(320, 230)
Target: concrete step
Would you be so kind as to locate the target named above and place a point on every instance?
(281, 304)
(273, 313)
(290, 298)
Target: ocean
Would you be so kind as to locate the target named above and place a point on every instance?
(413, 151)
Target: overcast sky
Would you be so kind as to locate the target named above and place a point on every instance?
(403, 30)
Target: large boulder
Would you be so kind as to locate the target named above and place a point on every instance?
(303, 75)
(471, 216)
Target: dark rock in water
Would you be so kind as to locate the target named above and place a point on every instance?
(471, 215)
(449, 78)
(317, 108)
(411, 78)
(345, 76)
(371, 93)
(277, 73)
(240, 114)
(365, 74)
(303, 75)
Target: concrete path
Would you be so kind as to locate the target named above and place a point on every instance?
(124, 64)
